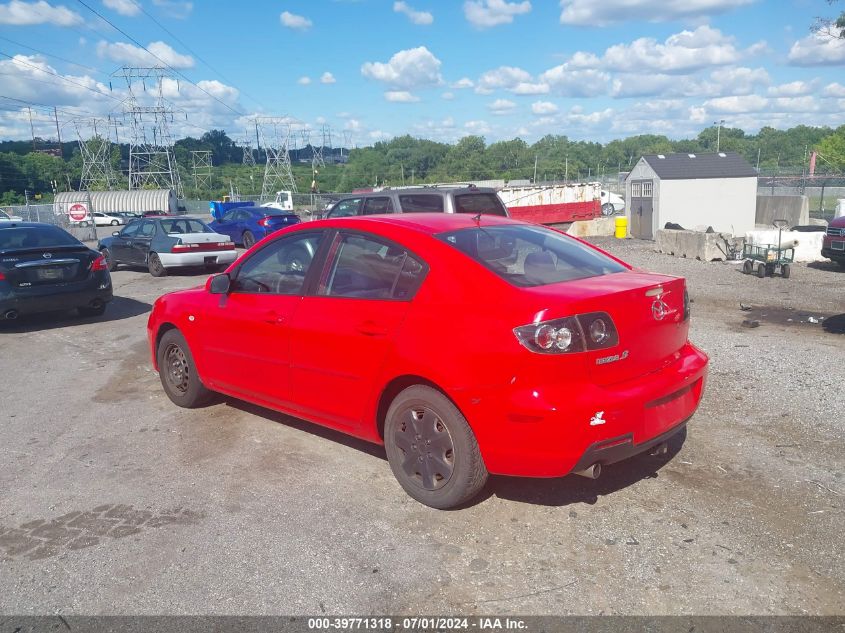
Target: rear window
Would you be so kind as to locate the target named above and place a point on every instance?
(271, 211)
(529, 256)
(35, 237)
(184, 226)
(421, 203)
(475, 203)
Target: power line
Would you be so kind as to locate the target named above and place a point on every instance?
(62, 77)
(88, 68)
(175, 70)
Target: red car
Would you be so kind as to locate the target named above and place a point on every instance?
(467, 345)
(833, 245)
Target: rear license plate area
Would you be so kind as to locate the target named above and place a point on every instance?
(49, 274)
(661, 415)
(211, 260)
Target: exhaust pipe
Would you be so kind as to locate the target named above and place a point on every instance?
(660, 449)
(10, 315)
(591, 472)
(96, 304)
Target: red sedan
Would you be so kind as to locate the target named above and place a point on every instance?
(467, 345)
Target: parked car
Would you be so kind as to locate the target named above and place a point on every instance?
(472, 200)
(247, 225)
(833, 243)
(106, 219)
(43, 268)
(611, 203)
(466, 345)
(5, 217)
(126, 216)
(162, 243)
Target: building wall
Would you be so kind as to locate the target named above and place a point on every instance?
(641, 171)
(729, 205)
(136, 200)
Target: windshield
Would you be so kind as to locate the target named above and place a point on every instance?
(475, 203)
(531, 255)
(35, 237)
(184, 226)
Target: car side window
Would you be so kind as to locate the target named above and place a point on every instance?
(228, 216)
(242, 215)
(131, 229)
(377, 205)
(421, 203)
(280, 267)
(367, 268)
(345, 208)
(148, 229)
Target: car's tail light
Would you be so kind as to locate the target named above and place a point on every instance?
(686, 305)
(100, 264)
(265, 221)
(179, 247)
(579, 333)
(2, 277)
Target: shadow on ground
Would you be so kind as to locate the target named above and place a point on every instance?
(559, 491)
(118, 309)
(835, 324)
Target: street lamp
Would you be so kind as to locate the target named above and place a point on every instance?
(718, 123)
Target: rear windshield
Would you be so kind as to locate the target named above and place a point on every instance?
(421, 203)
(475, 203)
(531, 255)
(272, 211)
(184, 226)
(35, 237)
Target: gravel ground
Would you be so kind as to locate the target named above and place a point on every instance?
(117, 502)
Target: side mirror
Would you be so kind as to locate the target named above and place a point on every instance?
(219, 284)
(116, 233)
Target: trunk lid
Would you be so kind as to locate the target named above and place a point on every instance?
(201, 238)
(647, 310)
(25, 268)
(276, 222)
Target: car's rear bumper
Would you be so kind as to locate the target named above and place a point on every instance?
(201, 258)
(552, 430)
(97, 289)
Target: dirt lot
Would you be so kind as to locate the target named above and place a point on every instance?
(115, 501)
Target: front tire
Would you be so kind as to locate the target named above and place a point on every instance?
(178, 372)
(785, 271)
(747, 267)
(248, 239)
(112, 265)
(115, 223)
(761, 270)
(432, 450)
(607, 209)
(155, 266)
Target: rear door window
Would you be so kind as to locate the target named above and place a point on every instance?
(366, 268)
(345, 208)
(421, 203)
(488, 203)
(377, 205)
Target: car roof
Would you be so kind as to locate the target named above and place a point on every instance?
(414, 190)
(29, 225)
(430, 223)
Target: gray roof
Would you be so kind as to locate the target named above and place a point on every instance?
(696, 166)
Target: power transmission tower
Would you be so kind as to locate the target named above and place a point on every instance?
(347, 141)
(201, 168)
(149, 115)
(95, 147)
(249, 154)
(276, 138)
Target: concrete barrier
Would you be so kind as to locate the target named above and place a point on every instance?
(605, 226)
(707, 247)
(793, 209)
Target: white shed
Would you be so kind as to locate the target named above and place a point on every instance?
(693, 190)
(135, 200)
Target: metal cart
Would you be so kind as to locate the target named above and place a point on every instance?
(770, 259)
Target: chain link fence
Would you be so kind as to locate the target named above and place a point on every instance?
(76, 217)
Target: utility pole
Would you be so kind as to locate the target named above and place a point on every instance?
(566, 172)
(719, 125)
(31, 128)
(758, 160)
(58, 131)
(535, 169)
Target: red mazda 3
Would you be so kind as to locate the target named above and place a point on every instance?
(467, 345)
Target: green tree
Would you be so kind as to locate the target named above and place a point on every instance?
(831, 149)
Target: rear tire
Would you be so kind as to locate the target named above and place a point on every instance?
(155, 266)
(248, 239)
(432, 450)
(747, 267)
(178, 372)
(92, 312)
(761, 270)
(115, 223)
(607, 209)
(785, 271)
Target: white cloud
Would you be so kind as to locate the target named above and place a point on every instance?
(293, 21)
(818, 49)
(327, 78)
(501, 106)
(592, 13)
(737, 105)
(448, 96)
(423, 18)
(737, 81)
(304, 81)
(793, 89)
(175, 8)
(573, 82)
(401, 96)
(834, 90)
(18, 13)
(466, 82)
(123, 7)
(125, 53)
(477, 127)
(515, 80)
(543, 107)
(484, 14)
(684, 51)
(412, 68)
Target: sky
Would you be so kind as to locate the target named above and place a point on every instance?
(369, 70)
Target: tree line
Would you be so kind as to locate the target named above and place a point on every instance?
(409, 160)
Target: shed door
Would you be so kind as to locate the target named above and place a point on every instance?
(642, 209)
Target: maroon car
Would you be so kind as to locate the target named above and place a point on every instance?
(833, 246)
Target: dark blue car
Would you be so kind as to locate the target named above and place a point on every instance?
(247, 225)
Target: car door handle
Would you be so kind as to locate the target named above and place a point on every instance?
(371, 328)
(274, 317)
